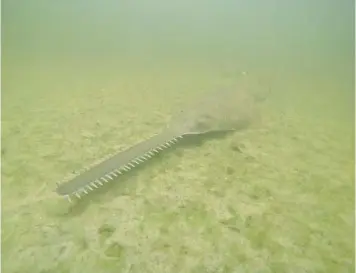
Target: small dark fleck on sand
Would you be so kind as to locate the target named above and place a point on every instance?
(230, 170)
(233, 228)
(237, 148)
(179, 153)
(254, 196)
(248, 221)
(114, 250)
(106, 230)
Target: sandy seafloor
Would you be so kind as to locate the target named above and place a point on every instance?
(277, 197)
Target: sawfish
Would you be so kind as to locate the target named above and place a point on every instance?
(219, 111)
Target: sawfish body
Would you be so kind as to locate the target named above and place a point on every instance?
(225, 110)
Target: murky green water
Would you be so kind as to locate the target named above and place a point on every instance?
(83, 79)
